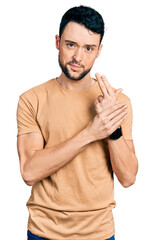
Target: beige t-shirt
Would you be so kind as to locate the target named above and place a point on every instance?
(76, 202)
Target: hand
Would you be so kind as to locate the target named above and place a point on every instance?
(109, 98)
(106, 122)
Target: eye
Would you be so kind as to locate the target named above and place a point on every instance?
(70, 45)
(89, 49)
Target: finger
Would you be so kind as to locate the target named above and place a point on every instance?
(118, 113)
(101, 84)
(113, 108)
(107, 85)
(116, 125)
(98, 107)
(118, 91)
(100, 98)
(114, 120)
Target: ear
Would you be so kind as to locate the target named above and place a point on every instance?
(57, 42)
(99, 50)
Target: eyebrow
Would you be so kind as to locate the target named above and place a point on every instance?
(88, 45)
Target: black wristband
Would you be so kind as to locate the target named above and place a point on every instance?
(116, 134)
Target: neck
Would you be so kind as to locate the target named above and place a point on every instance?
(82, 84)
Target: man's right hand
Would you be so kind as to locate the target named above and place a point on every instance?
(106, 122)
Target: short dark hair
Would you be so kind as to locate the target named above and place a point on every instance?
(85, 16)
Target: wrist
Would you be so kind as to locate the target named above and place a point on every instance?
(116, 134)
(87, 135)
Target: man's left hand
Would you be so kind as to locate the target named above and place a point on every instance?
(109, 97)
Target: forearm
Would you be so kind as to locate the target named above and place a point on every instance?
(46, 161)
(123, 160)
(38, 163)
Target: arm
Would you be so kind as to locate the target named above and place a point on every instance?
(123, 160)
(37, 163)
(122, 154)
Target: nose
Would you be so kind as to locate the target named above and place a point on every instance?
(78, 55)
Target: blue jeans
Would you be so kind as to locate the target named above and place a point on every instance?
(34, 237)
(112, 238)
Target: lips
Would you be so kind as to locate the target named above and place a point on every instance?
(75, 67)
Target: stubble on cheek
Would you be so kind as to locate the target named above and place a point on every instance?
(71, 73)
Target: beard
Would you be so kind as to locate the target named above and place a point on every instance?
(67, 72)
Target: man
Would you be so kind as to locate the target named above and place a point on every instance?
(74, 131)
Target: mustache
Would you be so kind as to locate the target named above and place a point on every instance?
(76, 63)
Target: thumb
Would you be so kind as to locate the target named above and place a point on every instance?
(100, 98)
(118, 91)
(98, 107)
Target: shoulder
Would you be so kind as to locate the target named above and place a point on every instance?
(124, 98)
(38, 91)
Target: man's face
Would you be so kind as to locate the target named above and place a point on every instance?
(78, 49)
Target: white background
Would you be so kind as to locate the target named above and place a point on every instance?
(28, 57)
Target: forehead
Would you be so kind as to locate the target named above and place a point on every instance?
(78, 33)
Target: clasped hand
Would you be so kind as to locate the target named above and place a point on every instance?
(110, 113)
(109, 97)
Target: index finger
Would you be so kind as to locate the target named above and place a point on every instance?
(101, 84)
(107, 85)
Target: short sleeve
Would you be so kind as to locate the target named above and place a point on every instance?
(26, 116)
(127, 122)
